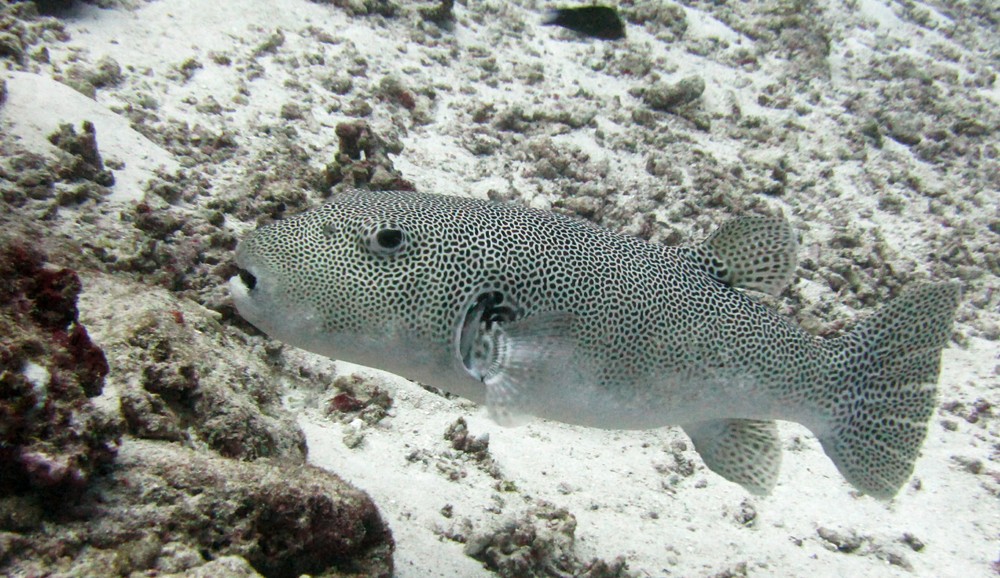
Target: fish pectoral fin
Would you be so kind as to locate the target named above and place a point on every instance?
(528, 355)
(744, 451)
(758, 253)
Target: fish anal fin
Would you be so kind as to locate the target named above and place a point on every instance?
(529, 353)
(758, 253)
(744, 451)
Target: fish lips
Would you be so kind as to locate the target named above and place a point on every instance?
(242, 288)
(252, 291)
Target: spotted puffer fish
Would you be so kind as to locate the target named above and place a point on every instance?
(532, 312)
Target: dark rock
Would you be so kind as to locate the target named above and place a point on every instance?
(285, 520)
(915, 544)
(292, 111)
(20, 514)
(443, 14)
(10, 46)
(21, 27)
(159, 224)
(392, 89)
(841, 542)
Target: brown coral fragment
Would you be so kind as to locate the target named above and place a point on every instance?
(541, 543)
(362, 160)
(87, 163)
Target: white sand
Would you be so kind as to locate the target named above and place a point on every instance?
(685, 526)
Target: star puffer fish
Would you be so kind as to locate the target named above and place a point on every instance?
(532, 312)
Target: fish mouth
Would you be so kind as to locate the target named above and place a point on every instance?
(248, 278)
(486, 310)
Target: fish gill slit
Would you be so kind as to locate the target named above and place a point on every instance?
(488, 309)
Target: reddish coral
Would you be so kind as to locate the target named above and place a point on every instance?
(345, 402)
(54, 294)
(88, 359)
(51, 437)
(49, 296)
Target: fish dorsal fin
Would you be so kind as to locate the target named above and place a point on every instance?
(527, 355)
(756, 253)
(744, 451)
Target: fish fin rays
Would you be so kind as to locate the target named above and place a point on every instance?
(884, 388)
(529, 353)
(744, 451)
(758, 253)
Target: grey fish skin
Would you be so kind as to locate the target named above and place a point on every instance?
(536, 313)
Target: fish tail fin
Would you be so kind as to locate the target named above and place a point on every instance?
(884, 388)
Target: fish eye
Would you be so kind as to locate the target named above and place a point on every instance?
(389, 238)
(385, 240)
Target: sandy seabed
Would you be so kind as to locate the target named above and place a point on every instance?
(870, 124)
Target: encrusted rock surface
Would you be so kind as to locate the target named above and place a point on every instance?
(53, 439)
(169, 509)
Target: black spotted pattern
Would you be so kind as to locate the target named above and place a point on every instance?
(643, 312)
(659, 338)
(883, 390)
